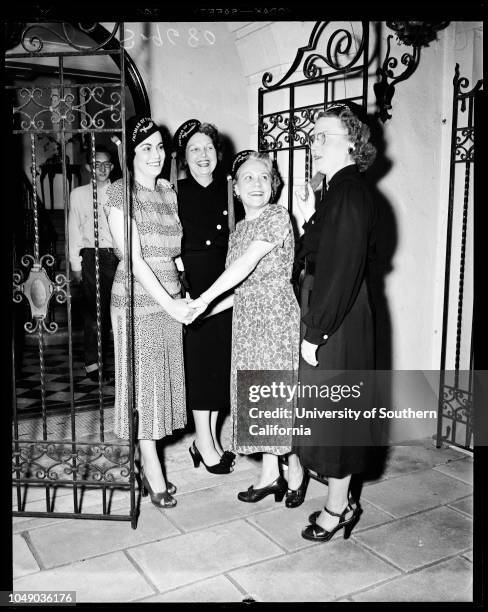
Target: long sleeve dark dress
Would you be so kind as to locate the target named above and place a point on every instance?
(339, 246)
(207, 343)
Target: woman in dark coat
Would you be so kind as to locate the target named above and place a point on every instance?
(338, 246)
(202, 207)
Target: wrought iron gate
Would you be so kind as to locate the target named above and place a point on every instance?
(455, 412)
(287, 109)
(66, 462)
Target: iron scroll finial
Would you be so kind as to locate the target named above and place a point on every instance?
(339, 45)
(34, 44)
(414, 33)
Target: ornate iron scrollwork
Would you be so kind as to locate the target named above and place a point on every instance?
(55, 462)
(416, 34)
(38, 289)
(337, 54)
(43, 108)
(34, 44)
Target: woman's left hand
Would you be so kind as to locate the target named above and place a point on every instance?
(199, 306)
(309, 352)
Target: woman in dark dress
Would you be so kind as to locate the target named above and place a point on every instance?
(202, 207)
(338, 246)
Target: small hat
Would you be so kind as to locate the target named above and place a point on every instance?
(237, 162)
(180, 140)
(138, 128)
(184, 133)
(239, 159)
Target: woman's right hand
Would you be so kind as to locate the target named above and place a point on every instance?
(180, 310)
(305, 200)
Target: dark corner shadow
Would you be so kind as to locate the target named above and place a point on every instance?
(386, 244)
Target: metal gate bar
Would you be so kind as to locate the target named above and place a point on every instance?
(455, 401)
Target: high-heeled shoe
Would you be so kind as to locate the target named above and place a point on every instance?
(219, 468)
(278, 487)
(316, 533)
(170, 487)
(312, 518)
(156, 498)
(228, 457)
(296, 497)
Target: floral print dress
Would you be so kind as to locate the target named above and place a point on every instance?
(157, 355)
(266, 315)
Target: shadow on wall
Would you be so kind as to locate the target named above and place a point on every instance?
(386, 243)
(387, 239)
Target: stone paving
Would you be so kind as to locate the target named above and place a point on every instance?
(413, 542)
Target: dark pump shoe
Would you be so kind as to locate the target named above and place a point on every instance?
(228, 457)
(222, 467)
(163, 499)
(315, 533)
(296, 497)
(252, 495)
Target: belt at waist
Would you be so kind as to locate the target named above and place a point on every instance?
(99, 248)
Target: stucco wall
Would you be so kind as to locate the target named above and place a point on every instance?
(192, 70)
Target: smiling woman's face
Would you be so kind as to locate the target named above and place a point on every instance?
(149, 157)
(201, 155)
(253, 184)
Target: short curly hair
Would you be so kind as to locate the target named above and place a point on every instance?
(211, 131)
(276, 181)
(364, 153)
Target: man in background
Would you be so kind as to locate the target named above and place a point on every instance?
(82, 258)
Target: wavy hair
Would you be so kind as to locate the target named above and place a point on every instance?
(276, 181)
(211, 131)
(363, 153)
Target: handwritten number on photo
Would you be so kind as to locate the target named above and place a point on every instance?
(194, 38)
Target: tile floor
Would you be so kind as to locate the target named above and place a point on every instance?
(413, 542)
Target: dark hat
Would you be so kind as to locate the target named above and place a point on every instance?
(138, 128)
(239, 159)
(184, 133)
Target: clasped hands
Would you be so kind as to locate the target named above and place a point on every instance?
(187, 310)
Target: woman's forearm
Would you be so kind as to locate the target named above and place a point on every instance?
(232, 276)
(224, 304)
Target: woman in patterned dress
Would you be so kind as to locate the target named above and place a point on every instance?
(266, 317)
(158, 310)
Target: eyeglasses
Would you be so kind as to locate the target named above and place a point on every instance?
(102, 165)
(321, 137)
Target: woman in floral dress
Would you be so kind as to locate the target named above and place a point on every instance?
(158, 310)
(266, 317)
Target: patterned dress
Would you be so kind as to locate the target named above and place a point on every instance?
(159, 382)
(266, 317)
